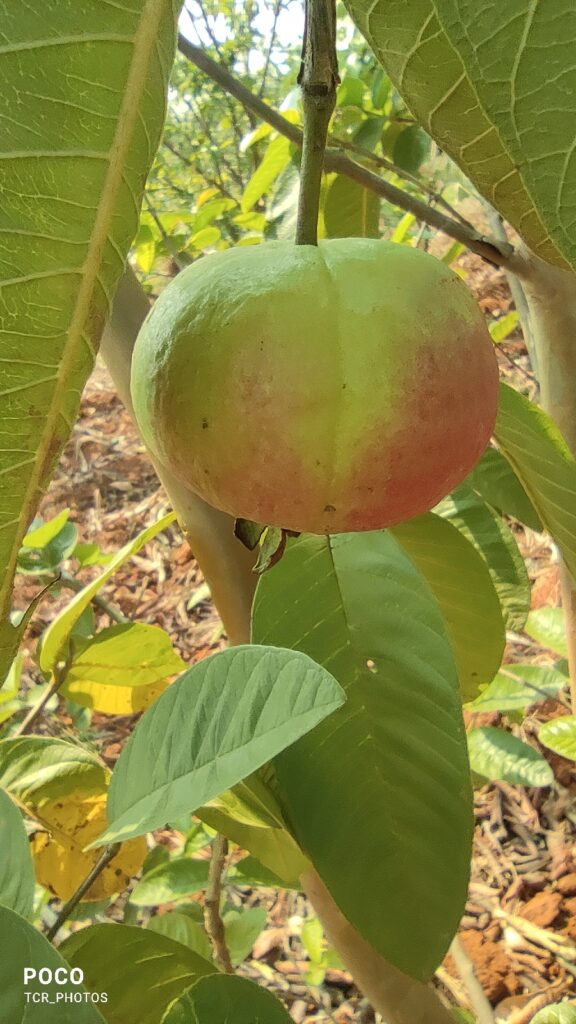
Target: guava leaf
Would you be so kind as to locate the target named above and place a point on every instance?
(37, 768)
(559, 735)
(548, 627)
(141, 971)
(61, 860)
(543, 463)
(518, 686)
(350, 210)
(171, 882)
(75, 158)
(241, 707)
(494, 85)
(16, 871)
(496, 482)
(23, 946)
(221, 998)
(122, 669)
(490, 535)
(461, 583)
(383, 785)
(497, 754)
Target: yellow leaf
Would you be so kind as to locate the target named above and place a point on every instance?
(59, 858)
(114, 700)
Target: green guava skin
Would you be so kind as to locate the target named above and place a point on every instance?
(341, 387)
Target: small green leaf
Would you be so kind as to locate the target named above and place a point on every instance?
(48, 559)
(40, 535)
(497, 754)
(350, 210)
(227, 999)
(241, 707)
(34, 1001)
(350, 92)
(242, 928)
(547, 627)
(55, 636)
(496, 482)
(461, 583)
(276, 158)
(16, 871)
(540, 457)
(249, 871)
(168, 883)
(560, 1013)
(518, 686)
(559, 735)
(411, 149)
(140, 970)
(502, 328)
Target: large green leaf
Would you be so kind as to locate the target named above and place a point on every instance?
(241, 707)
(496, 482)
(542, 461)
(351, 210)
(379, 795)
(22, 946)
(16, 871)
(490, 535)
(36, 768)
(82, 99)
(497, 754)
(461, 583)
(140, 970)
(223, 999)
(494, 85)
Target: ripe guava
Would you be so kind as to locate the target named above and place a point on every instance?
(340, 387)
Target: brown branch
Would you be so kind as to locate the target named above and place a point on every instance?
(500, 254)
(212, 918)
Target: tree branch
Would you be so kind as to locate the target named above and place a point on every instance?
(501, 254)
(212, 918)
(318, 79)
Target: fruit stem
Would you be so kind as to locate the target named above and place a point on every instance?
(318, 79)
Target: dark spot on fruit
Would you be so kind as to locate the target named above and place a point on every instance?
(329, 508)
(204, 424)
(118, 872)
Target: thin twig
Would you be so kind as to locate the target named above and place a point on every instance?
(60, 673)
(212, 918)
(498, 253)
(108, 855)
(478, 999)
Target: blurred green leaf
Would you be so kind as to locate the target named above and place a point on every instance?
(547, 627)
(497, 754)
(559, 735)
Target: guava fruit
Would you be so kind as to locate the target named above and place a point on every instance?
(340, 387)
